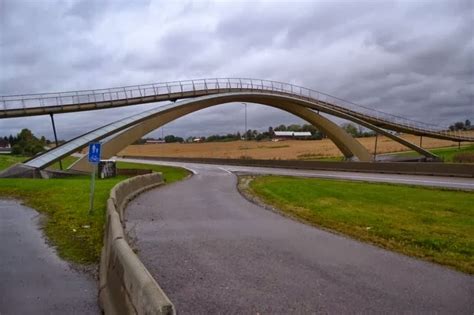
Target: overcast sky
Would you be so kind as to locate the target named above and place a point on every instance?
(412, 58)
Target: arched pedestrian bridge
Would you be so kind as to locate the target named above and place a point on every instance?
(200, 94)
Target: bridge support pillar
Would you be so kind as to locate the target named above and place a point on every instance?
(55, 137)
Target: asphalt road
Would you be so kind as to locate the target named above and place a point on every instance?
(433, 181)
(33, 280)
(213, 252)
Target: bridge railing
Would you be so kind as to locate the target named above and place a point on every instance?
(207, 86)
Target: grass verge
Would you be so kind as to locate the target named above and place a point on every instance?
(432, 224)
(7, 160)
(66, 162)
(76, 235)
(446, 154)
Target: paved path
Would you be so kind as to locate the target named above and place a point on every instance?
(434, 181)
(212, 252)
(33, 280)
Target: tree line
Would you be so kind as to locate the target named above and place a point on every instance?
(459, 125)
(26, 143)
(248, 135)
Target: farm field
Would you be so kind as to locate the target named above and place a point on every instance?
(285, 150)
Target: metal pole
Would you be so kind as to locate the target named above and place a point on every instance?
(245, 133)
(55, 138)
(375, 149)
(91, 206)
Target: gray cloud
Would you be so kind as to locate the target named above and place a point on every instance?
(412, 58)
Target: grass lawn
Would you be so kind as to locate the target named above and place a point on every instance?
(76, 234)
(7, 160)
(446, 154)
(67, 161)
(432, 224)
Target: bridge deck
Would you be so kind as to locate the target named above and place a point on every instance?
(65, 102)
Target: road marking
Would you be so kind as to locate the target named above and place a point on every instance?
(190, 169)
(225, 170)
(366, 177)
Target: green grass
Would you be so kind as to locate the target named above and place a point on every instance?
(170, 174)
(7, 160)
(446, 154)
(318, 157)
(67, 161)
(432, 224)
(76, 234)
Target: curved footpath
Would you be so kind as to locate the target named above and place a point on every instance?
(33, 280)
(212, 251)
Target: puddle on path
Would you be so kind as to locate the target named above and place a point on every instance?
(34, 280)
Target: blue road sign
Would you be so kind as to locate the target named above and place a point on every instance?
(94, 152)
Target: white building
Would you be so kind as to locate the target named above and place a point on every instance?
(281, 135)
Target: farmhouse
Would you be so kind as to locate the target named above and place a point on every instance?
(284, 135)
(154, 141)
(4, 146)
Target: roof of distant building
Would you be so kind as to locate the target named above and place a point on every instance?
(4, 143)
(292, 133)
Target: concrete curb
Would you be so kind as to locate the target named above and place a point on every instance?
(125, 285)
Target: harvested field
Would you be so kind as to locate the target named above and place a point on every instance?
(285, 150)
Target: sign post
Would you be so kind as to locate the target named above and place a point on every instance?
(94, 159)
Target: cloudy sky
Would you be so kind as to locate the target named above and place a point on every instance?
(412, 58)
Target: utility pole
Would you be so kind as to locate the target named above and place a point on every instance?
(55, 138)
(375, 149)
(245, 133)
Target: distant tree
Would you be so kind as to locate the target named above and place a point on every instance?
(318, 135)
(264, 136)
(270, 131)
(27, 144)
(172, 139)
(248, 135)
(280, 128)
(260, 136)
(43, 140)
(459, 125)
(310, 128)
(467, 124)
(351, 129)
(140, 141)
(294, 128)
(13, 140)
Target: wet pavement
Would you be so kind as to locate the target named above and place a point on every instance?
(33, 279)
(214, 252)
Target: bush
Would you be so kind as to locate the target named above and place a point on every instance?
(27, 144)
